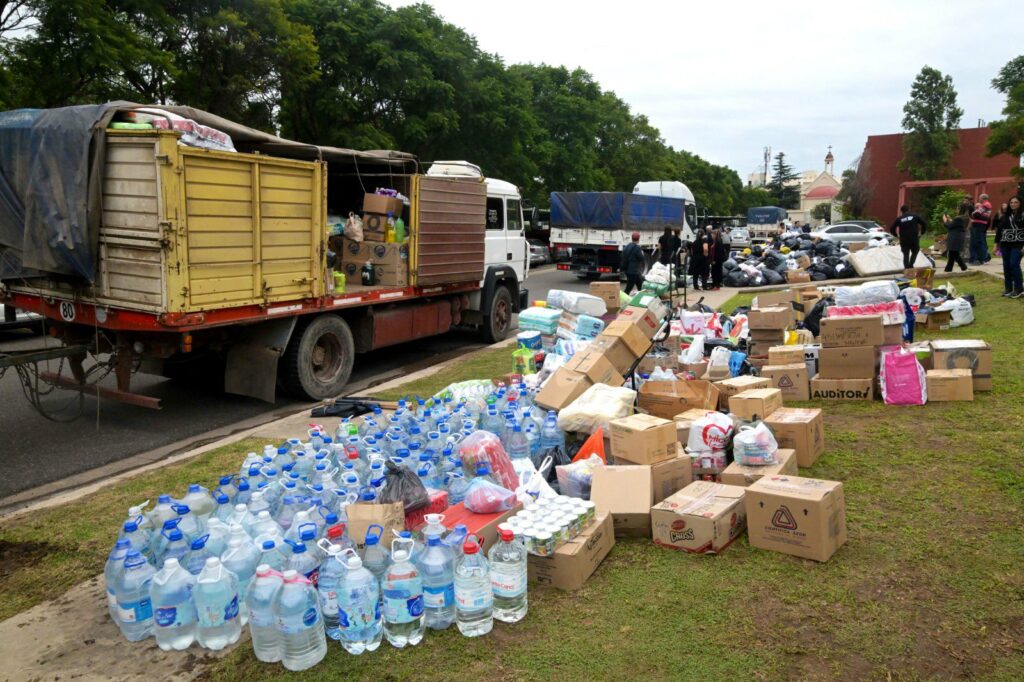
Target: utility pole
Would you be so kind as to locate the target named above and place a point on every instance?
(767, 157)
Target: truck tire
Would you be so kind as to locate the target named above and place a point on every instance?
(498, 320)
(318, 361)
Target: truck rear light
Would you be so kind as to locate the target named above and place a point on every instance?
(563, 266)
(186, 343)
(609, 248)
(604, 269)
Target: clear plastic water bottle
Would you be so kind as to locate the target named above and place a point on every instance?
(508, 578)
(197, 555)
(303, 561)
(435, 526)
(518, 445)
(474, 597)
(241, 558)
(551, 436)
(163, 511)
(111, 571)
(217, 606)
(403, 598)
(457, 486)
(266, 526)
(375, 557)
(134, 608)
(244, 493)
(266, 638)
(138, 538)
(177, 547)
(137, 514)
(483, 470)
(533, 440)
(492, 422)
(242, 517)
(271, 555)
(331, 571)
(224, 506)
(174, 611)
(457, 539)
(359, 617)
(303, 642)
(199, 500)
(437, 570)
(188, 523)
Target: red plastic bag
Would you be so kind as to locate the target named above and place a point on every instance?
(484, 446)
(484, 497)
(592, 446)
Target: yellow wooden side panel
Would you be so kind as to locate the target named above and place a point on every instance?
(290, 241)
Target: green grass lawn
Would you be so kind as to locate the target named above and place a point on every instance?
(930, 584)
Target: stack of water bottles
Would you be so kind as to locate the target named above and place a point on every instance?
(269, 545)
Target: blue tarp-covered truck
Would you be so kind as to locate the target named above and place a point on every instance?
(763, 222)
(596, 225)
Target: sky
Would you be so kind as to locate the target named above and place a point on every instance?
(726, 78)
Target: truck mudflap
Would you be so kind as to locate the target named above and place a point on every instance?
(251, 368)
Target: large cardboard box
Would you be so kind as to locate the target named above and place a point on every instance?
(561, 388)
(484, 526)
(377, 203)
(792, 380)
(865, 330)
(805, 517)
(934, 321)
(849, 362)
(702, 518)
(574, 561)
(756, 403)
(671, 475)
(785, 355)
(800, 429)
(684, 420)
(743, 475)
(596, 367)
(842, 389)
(893, 334)
(375, 227)
(642, 318)
(361, 516)
(730, 387)
(666, 399)
(969, 354)
(378, 253)
(697, 369)
(950, 385)
(615, 349)
(625, 492)
(775, 317)
(635, 339)
(798, 276)
(607, 292)
(772, 299)
(767, 338)
(643, 439)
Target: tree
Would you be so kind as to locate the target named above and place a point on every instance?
(784, 185)
(947, 203)
(855, 192)
(750, 197)
(931, 118)
(1008, 134)
(822, 211)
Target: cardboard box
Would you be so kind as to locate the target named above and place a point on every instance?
(800, 429)
(892, 333)
(671, 475)
(643, 439)
(743, 475)
(715, 373)
(375, 227)
(798, 276)
(785, 355)
(792, 380)
(775, 317)
(485, 526)
(561, 388)
(615, 350)
(850, 362)
(804, 517)
(853, 247)
(971, 354)
(388, 276)
(697, 369)
(596, 367)
(574, 561)
(936, 320)
(755, 404)
(803, 261)
(702, 518)
(950, 385)
(772, 299)
(842, 389)
(730, 387)
(684, 420)
(666, 399)
(863, 330)
(377, 203)
(635, 339)
(378, 253)
(607, 292)
(767, 338)
(438, 503)
(642, 318)
(361, 516)
(625, 492)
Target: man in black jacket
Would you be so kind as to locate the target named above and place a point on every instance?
(633, 263)
(909, 227)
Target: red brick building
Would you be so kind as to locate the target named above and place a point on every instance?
(883, 152)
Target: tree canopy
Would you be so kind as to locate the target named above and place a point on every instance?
(1008, 134)
(352, 73)
(931, 118)
(783, 186)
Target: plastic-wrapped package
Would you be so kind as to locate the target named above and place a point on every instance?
(755, 446)
(543, 320)
(867, 293)
(577, 303)
(891, 312)
(597, 407)
(693, 353)
(354, 228)
(658, 274)
(484, 446)
(916, 297)
(589, 326)
(710, 433)
(484, 497)
(192, 134)
(574, 479)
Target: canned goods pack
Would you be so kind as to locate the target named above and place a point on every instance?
(549, 522)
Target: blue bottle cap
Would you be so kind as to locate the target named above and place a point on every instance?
(331, 518)
(134, 558)
(243, 485)
(130, 526)
(163, 499)
(282, 451)
(175, 534)
(225, 480)
(221, 498)
(307, 534)
(200, 542)
(268, 545)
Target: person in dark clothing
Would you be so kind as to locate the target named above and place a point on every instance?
(699, 253)
(956, 232)
(633, 263)
(719, 252)
(665, 249)
(1010, 242)
(909, 227)
(981, 216)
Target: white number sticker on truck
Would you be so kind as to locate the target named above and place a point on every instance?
(67, 311)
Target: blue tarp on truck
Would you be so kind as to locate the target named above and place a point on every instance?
(615, 210)
(766, 215)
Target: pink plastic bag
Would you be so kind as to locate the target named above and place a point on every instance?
(484, 446)
(903, 379)
(483, 497)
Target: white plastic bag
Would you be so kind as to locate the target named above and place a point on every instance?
(694, 322)
(534, 481)
(960, 310)
(658, 274)
(574, 479)
(720, 357)
(710, 433)
(597, 407)
(354, 227)
(867, 293)
(577, 303)
(755, 446)
(694, 353)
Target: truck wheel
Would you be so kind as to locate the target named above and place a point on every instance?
(318, 361)
(499, 318)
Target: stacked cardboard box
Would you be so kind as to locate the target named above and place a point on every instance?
(730, 387)
(947, 385)
(767, 326)
(972, 354)
(848, 358)
(390, 261)
(375, 216)
(607, 292)
(799, 429)
(755, 404)
(743, 475)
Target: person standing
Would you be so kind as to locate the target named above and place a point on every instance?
(1010, 241)
(909, 227)
(956, 232)
(633, 263)
(665, 250)
(980, 219)
(699, 253)
(719, 253)
(997, 220)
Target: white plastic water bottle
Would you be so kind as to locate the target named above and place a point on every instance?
(111, 571)
(241, 558)
(508, 578)
(217, 605)
(474, 597)
(134, 609)
(403, 597)
(331, 571)
(359, 617)
(437, 570)
(266, 637)
(199, 500)
(303, 643)
(174, 612)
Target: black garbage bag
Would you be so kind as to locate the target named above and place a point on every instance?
(772, 277)
(758, 280)
(729, 264)
(826, 248)
(559, 457)
(773, 259)
(402, 485)
(844, 270)
(812, 319)
(740, 310)
(791, 242)
(817, 276)
(825, 269)
(756, 250)
(736, 278)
